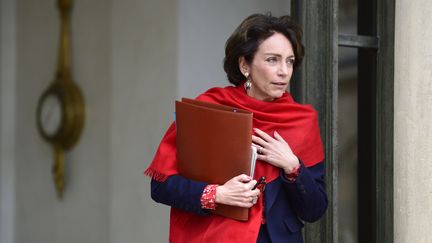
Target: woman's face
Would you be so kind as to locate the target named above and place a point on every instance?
(271, 68)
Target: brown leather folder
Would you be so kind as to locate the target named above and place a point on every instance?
(214, 145)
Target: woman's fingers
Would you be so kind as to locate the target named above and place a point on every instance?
(279, 137)
(265, 141)
(243, 178)
(254, 201)
(258, 140)
(263, 135)
(275, 151)
(238, 192)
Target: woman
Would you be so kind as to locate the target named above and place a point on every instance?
(259, 60)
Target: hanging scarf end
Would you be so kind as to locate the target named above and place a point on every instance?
(155, 175)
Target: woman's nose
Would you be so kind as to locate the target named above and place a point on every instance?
(283, 69)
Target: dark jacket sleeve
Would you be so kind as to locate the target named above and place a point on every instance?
(307, 194)
(179, 192)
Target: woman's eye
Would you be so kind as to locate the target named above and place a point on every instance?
(272, 60)
(291, 61)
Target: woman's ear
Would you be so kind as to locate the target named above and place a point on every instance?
(243, 65)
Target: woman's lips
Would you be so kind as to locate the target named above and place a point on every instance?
(279, 83)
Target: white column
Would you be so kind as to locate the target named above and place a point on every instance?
(413, 116)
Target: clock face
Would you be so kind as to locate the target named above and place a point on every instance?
(50, 116)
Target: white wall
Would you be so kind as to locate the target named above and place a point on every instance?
(7, 119)
(83, 214)
(413, 130)
(143, 69)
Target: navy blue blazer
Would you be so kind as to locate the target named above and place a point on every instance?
(287, 203)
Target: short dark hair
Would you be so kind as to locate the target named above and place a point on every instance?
(256, 28)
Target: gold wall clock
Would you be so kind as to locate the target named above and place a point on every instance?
(61, 110)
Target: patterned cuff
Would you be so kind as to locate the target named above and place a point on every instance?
(208, 197)
(291, 177)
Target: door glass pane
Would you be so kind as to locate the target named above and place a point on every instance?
(347, 145)
(348, 17)
(347, 127)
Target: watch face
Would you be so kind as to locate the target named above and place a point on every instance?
(50, 116)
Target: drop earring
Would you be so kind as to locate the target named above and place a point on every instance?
(248, 83)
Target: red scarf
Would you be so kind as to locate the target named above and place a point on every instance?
(296, 123)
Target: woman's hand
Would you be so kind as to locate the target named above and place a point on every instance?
(275, 151)
(238, 192)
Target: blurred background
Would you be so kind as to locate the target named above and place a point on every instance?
(132, 59)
